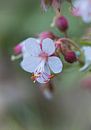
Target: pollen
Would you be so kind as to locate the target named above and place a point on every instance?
(34, 77)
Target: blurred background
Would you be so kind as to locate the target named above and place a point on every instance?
(22, 105)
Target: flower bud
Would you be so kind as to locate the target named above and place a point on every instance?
(61, 23)
(70, 57)
(44, 35)
(17, 49)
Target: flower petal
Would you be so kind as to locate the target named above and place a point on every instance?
(55, 64)
(32, 46)
(30, 63)
(85, 67)
(44, 77)
(87, 53)
(48, 46)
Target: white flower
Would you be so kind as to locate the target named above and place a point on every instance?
(87, 55)
(40, 59)
(82, 8)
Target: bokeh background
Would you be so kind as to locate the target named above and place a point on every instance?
(22, 105)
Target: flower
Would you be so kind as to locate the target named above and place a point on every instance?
(87, 55)
(40, 59)
(82, 8)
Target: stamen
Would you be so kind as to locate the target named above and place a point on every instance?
(34, 77)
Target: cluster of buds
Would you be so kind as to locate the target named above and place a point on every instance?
(65, 47)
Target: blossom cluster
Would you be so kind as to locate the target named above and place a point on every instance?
(44, 56)
(41, 56)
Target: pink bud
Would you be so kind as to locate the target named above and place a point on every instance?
(61, 23)
(44, 35)
(70, 57)
(17, 49)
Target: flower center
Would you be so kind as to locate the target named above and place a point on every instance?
(44, 55)
(41, 73)
(40, 68)
(46, 77)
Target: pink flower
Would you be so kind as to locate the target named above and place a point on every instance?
(39, 59)
(82, 8)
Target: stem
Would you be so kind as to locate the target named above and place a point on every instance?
(66, 34)
(72, 43)
(58, 13)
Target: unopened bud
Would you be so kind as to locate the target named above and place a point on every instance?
(70, 57)
(44, 35)
(17, 49)
(61, 23)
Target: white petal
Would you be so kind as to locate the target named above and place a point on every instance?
(87, 53)
(55, 64)
(48, 46)
(85, 67)
(44, 77)
(32, 47)
(30, 63)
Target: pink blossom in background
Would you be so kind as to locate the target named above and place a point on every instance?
(82, 8)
